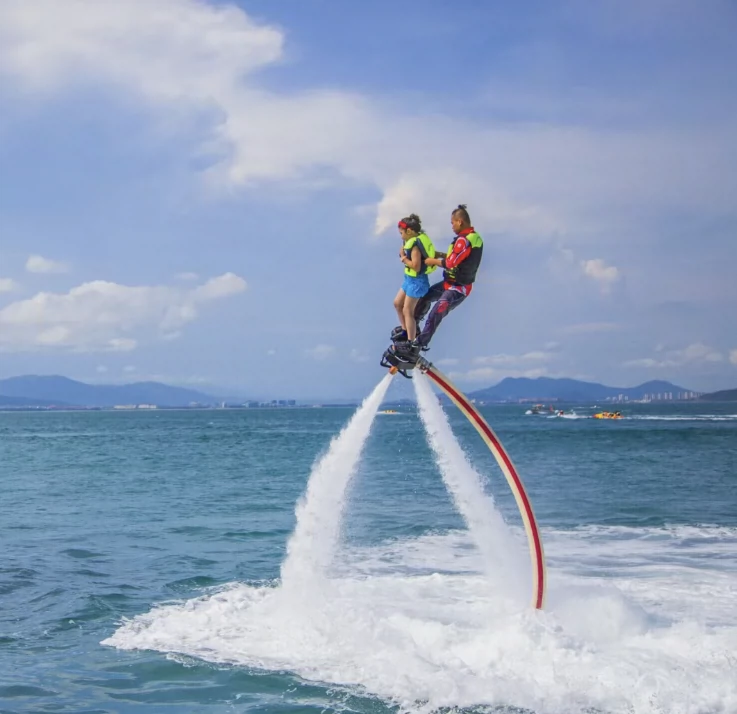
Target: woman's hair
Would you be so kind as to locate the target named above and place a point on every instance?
(463, 213)
(412, 222)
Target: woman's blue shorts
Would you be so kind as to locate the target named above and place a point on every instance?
(416, 287)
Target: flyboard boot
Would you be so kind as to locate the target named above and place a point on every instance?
(402, 355)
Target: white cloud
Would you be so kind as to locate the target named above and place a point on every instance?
(56, 335)
(694, 354)
(124, 377)
(440, 192)
(486, 374)
(566, 266)
(123, 344)
(197, 42)
(222, 286)
(187, 276)
(189, 56)
(7, 285)
(105, 316)
(499, 359)
(598, 270)
(505, 365)
(39, 264)
(650, 363)
(585, 328)
(698, 352)
(733, 356)
(356, 355)
(448, 362)
(101, 369)
(538, 356)
(504, 359)
(320, 352)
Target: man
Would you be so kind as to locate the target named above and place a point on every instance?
(460, 264)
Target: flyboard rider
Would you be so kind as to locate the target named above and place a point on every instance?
(460, 265)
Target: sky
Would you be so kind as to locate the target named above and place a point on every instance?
(205, 193)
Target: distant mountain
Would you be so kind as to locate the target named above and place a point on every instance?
(566, 390)
(725, 395)
(55, 390)
(6, 401)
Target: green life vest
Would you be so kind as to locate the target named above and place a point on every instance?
(427, 250)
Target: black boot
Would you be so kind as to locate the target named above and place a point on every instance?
(407, 351)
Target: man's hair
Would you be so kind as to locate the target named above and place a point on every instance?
(463, 213)
(413, 222)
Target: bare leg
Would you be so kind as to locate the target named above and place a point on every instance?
(409, 317)
(399, 307)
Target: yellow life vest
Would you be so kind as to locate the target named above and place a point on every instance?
(427, 250)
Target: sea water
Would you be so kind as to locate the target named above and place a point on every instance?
(145, 561)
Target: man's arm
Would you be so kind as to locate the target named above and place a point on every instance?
(437, 260)
(461, 251)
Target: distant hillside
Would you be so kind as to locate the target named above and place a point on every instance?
(725, 395)
(567, 390)
(54, 390)
(6, 401)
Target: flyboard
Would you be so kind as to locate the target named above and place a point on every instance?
(395, 364)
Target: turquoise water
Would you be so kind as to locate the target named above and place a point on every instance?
(142, 555)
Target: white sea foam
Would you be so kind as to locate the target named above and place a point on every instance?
(649, 417)
(683, 417)
(638, 621)
(641, 642)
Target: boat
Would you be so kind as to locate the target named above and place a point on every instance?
(607, 415)
(540, 409)
(389, 411)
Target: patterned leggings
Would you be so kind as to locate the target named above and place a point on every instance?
(445, 301)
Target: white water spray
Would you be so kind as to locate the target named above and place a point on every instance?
(502, 555)
(311, 548)
(647, 638)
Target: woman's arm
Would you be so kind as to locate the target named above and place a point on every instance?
(415, 262)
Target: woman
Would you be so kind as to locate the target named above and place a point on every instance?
(416, 248)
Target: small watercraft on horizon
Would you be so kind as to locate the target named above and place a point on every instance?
(540, 409)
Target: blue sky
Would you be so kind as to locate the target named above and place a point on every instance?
(205, 193)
